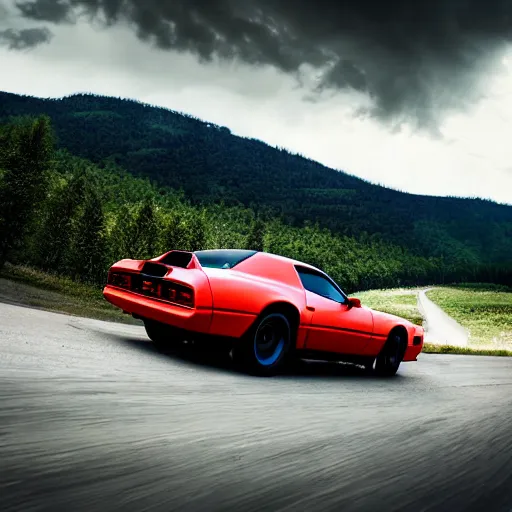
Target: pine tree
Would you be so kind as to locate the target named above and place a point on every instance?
(25, 161)
(136, 232)
(175, 234)
(196, 232)
(145, 231)
(256, 237)
(120, 240)
(54, 236)
(88, 248)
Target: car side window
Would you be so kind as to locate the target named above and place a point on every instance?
(317, 283)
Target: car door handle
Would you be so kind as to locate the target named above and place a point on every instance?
(310, 308)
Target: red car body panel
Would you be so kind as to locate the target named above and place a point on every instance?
(384, 322)
(336, 327)
(195, 319)
(227, 301)
(249, 288)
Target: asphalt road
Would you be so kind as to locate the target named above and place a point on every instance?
(93, 418)
(440, 327)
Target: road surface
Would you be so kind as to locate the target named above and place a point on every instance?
(93, 418)
(440, 328)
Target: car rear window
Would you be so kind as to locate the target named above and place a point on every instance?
(223, 258)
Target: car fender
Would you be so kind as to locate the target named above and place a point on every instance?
(238, 299)
(383, 324)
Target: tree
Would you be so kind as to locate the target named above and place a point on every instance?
(145, 231)
(54, 235)
(120, 239)
(26, 159)
(88, 248)
(196, 231)
(256, 237)
(136, 232)
(175, 233)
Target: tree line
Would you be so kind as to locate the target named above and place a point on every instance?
(66, 215)
(213, 166)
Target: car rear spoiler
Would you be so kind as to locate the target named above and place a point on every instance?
(181, 259)
(161, 265)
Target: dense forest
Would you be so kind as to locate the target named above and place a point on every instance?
(68, 214)
(212, 166)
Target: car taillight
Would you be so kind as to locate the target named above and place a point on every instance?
(120, 280)
(180, 294)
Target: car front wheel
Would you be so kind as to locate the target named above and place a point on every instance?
(388, 361)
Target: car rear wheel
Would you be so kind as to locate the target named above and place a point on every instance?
(265, 348)
(164, 337)
(388, 361)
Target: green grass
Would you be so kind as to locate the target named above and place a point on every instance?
(486, 311)
(430, 348)
(29, 287)
(402, 302)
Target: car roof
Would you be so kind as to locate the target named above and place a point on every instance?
(245, 254)
(289, 260)
(258, 263)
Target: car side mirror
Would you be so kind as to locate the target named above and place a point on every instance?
(354, 303)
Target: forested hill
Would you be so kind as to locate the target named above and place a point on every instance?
(211, 165)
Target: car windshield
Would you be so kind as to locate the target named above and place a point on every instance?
(223, 258)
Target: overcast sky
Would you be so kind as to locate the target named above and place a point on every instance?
(418, 99)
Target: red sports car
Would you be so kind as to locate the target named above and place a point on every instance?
(264, 308)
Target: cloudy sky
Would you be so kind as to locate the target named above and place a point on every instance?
(413, 95)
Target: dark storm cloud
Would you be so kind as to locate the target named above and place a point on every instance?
(413, 58)
(25, 38)
(47, 10)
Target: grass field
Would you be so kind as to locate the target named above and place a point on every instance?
(486, 311)
(29, 287)
(401, 302)
(429, 348)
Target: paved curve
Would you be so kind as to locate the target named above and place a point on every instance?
(440, 328)
(93, 418)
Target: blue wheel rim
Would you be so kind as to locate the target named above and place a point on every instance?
(270, 340)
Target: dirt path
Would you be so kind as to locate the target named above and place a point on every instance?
(440, 328)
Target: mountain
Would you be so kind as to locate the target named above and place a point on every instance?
(212, 165)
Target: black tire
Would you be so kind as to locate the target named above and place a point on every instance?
(265, 348)
(388, 361)
(164, 337)
(369, 365)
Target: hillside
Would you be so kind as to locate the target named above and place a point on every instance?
(212, 165)
(68, 217)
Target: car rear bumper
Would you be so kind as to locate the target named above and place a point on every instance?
(190, 319)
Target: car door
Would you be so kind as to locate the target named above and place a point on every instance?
(335, 327)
